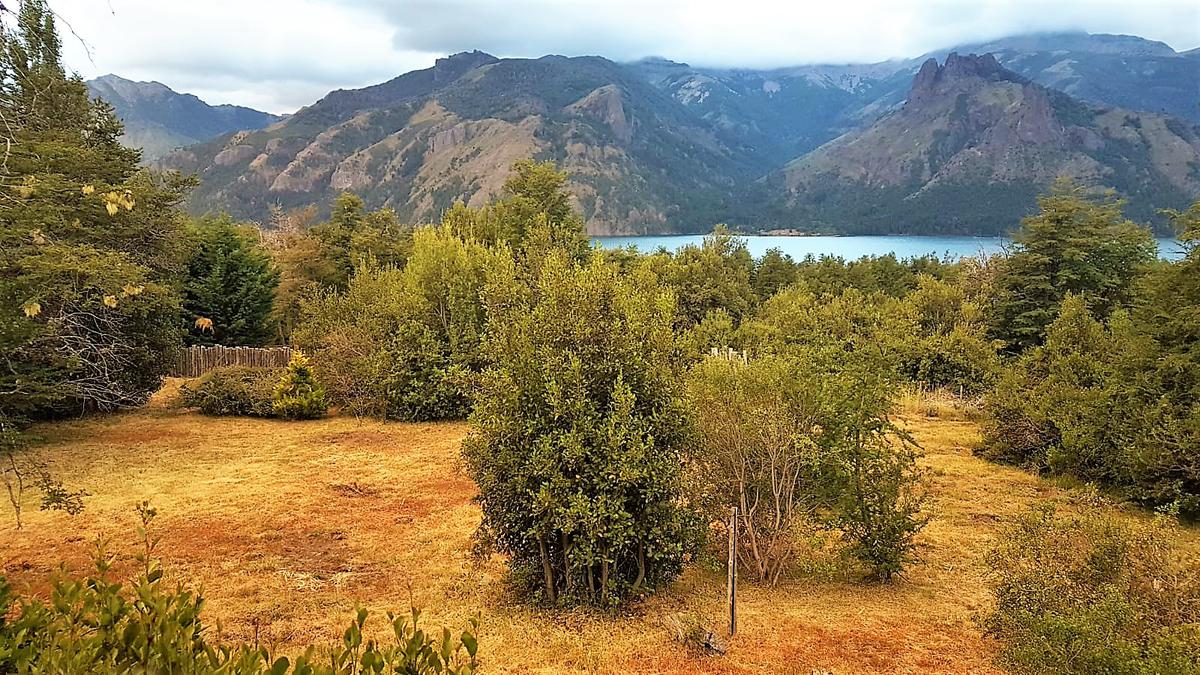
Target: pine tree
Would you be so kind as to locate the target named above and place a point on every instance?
(298, 395)
(1074, 245)
(231, 282)
(90, 242)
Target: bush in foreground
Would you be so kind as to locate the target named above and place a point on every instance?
(233, 390)
(1094, 594)
(579, 433)
(96, 625)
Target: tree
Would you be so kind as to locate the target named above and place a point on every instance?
(298, 396)
(401, 343)
(758, 423)
(231, 281)
(713, 276)
(1074, 245)
(91, 243)
(578, 432)
(535, 216)
(773, 272)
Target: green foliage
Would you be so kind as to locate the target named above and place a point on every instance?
(233, 390)
(1074, 245)
(351, 236)
(579, 432)
(97, 625)
(832, 275)
(879, 508)
(1103, 403)
(950, 348)
(855, 350)
(797, 449)
(231, 282)
(715, 276)
(1094, 594)
(773, 272)
(402, 343)
(91, 242)
(762, 452)
(298, 395)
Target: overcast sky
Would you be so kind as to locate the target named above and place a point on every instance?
(278, 55)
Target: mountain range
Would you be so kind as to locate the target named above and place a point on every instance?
(158, 119)
(957, 141)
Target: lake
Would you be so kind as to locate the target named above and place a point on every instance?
(850, 247)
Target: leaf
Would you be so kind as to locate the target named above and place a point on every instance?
(130, 289)
(280, 667)
(31, 309)
(88, 189)
(110, 301)
(111, 208)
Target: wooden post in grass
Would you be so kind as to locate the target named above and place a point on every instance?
(732, 589)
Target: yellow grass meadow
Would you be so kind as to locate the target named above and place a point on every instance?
(288, 526)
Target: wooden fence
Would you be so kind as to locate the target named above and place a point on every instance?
(197, 360)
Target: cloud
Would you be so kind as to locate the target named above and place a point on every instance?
(275, 55)
(759, 33)
(280, 54)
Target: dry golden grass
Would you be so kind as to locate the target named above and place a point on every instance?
(288, 525)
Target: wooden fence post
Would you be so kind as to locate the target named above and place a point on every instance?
(732, 589)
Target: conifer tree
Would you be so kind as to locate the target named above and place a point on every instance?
(89, 241)
(231, 282)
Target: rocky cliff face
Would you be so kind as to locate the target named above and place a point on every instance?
(974, 142)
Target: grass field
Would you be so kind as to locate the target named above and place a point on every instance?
(287, 526)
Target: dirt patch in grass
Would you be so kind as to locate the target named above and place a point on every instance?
(286, 527)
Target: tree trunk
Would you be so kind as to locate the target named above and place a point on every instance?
(641, 560)
(547, 571)
(566, 554)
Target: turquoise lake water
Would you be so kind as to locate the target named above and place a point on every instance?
(850, 247)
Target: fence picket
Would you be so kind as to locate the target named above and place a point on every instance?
(199, 359)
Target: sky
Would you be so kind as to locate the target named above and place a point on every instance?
(278, 55)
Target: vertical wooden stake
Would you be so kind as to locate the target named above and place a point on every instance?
(732, 590)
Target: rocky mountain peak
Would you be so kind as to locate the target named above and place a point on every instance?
(450, 68)
(933, 77)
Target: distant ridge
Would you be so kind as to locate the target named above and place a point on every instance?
(958, 145)
(158, 119)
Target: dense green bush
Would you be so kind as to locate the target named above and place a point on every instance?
(712, 277)
(233, 390)
(949, 348)
(298, 395)
(399, 343)
(1101, 402)
(1094, 594)
(579, 432)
